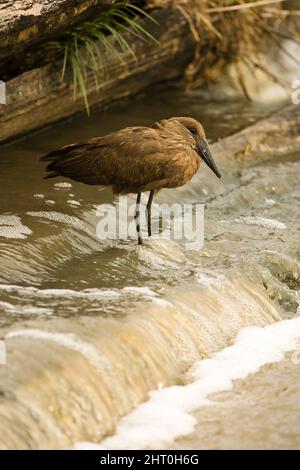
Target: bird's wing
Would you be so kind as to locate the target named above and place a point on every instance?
(132, 157)
(75, 161)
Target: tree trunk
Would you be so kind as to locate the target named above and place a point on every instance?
(27, 22)
(39, 97)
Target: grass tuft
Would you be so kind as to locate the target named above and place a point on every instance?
(80, 45)
(232, 32)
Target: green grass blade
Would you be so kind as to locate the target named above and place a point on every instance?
(81, 45)
(65, 61)
(141, 12)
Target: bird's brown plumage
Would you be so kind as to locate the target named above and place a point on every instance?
(134, 159)
(137, 159)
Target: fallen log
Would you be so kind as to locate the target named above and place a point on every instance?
(27, 22)
(39, 97)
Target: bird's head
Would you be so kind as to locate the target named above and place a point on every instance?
(196, 130)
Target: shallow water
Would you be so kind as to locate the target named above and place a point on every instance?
(91, 326)
(261, 412)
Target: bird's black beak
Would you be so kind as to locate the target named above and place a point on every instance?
(204, 152)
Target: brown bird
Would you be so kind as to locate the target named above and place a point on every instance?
(137, 159)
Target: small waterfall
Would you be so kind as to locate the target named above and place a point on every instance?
(92, 326)
(71, 381)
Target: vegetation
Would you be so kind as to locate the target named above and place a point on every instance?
(232, 31)
(225, 31)
(81, 46)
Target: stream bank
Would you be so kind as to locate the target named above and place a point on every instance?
(171, 47)
(90, 326)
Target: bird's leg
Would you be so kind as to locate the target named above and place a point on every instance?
(137, 218)
(149, 211)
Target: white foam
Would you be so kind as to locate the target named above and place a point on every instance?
(24, 309)
(74, 203)
(162, 302)
(58, 217)
(140, 290)
(262, 222)
(270, 202)
(63, 185)
(149, 293)
(91, 294)
(167, 414)
(6, 306)
(12, 227)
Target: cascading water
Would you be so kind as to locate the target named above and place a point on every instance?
(92, 326)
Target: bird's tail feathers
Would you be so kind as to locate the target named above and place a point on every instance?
(55, 154)
(54, 174)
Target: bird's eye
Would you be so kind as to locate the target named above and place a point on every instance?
(193, 130)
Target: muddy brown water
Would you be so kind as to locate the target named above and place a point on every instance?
(261, 412)
(97, 324)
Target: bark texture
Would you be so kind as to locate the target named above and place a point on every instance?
(39, 97)
(26, 22)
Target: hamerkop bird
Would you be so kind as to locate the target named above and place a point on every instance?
(137, 159)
